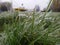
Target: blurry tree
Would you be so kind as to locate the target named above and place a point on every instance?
(55, 7)
(37, 8)
(5, 6)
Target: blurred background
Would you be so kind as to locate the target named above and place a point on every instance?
(28, 4)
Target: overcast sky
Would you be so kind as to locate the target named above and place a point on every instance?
(29, 4)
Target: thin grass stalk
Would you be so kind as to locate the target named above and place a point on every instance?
(41, 22)
(48, 7)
